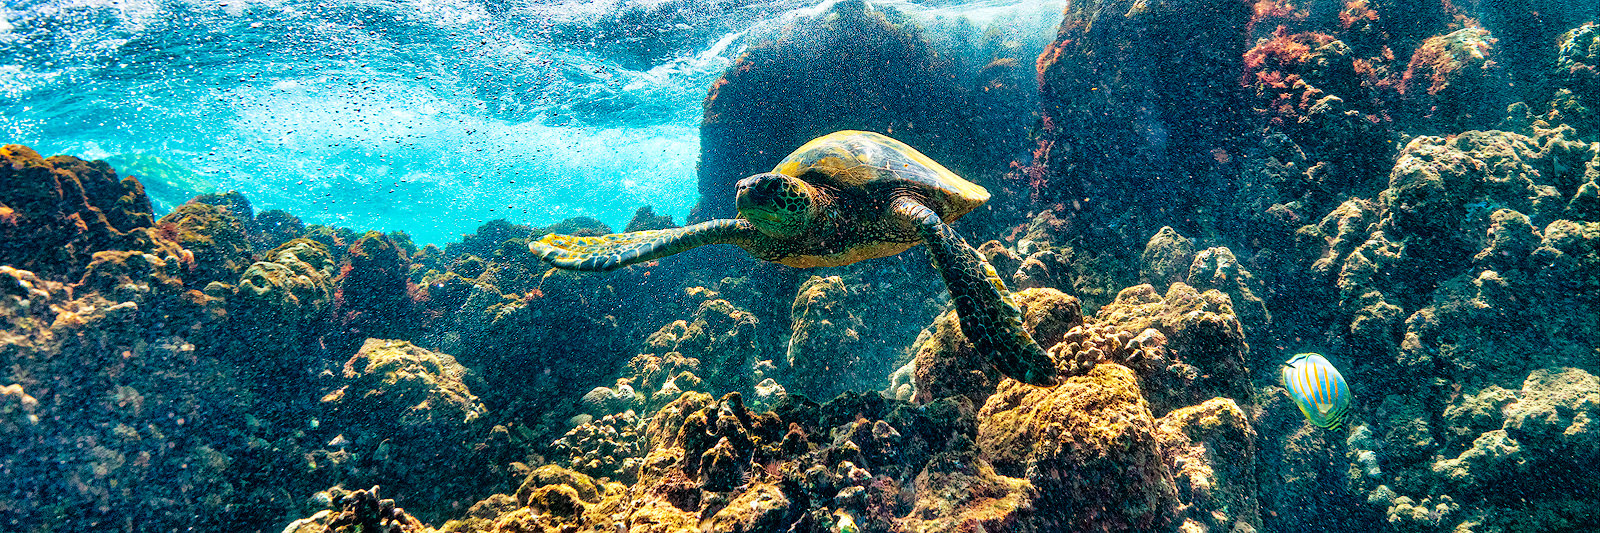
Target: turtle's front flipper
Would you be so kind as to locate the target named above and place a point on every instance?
(988, 316)
(617, 250)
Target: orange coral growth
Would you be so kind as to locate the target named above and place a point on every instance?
(1364, 68)
(1037, 172)
(1440, 58)
(1273, 68)
(417, 293)
(1283, 50)
(1221, 155)
(1356, 11)
(1275, 79)
(1016, 231)
(168, 231)
(1371, 75)
(8, 215)
(1278, 9)
(1274, 11)
(1048, 57)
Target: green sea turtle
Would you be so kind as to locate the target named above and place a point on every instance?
(841, 198)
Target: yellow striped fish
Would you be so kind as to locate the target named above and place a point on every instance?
(1317, 389)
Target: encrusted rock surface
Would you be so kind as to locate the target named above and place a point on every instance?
(1089, 446)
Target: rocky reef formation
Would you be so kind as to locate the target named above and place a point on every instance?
(359, 511)
(1464, 279)
(204, 341)
(826, 339)
(784, 91)
(1098, 467)
(1120, 128)
(943, 356)
(111, 407)
(374, 296)
(289, 294)
(214, 236)
(1023, 457)
(1454, 81)
(390, 398)
(55, 213)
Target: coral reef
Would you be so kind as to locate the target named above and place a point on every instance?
(374, 294)
(275, 227)
(826, 343)
(1326, 129)
(1211, 449)
(646, 219)
(1202, 345)
(1454, 81)
(1576, 76)
(1166, 258)
(401, 413)
(360, 511)
(1451, 241)
(424, 392)
(1217, 268)
(716, 349)
(1579, 58)
(960, 490)
(1088, 446)
(1538, 432)
(55, 213)
(610, 447)
(214, 236)
(944, 356)
(714, 465)
(288, 296)
(113, 415)
(1470, 273)
(482, 243)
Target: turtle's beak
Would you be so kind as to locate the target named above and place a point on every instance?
(762, 215)
(753, 191)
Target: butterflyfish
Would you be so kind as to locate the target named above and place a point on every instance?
(1317, 389)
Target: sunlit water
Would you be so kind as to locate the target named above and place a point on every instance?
(426, 116)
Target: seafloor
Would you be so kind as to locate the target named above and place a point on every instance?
(1407, 187)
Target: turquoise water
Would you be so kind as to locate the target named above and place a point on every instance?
(422, 116)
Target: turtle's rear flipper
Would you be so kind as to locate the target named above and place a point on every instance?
(988, 316)
(617, 250)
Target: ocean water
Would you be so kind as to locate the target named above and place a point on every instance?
(426, 117)
(1185, 266)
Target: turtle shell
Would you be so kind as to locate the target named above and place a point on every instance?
(874, 164)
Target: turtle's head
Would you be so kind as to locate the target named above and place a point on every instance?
(779, 205)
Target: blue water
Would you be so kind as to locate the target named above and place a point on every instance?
(425, 116)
